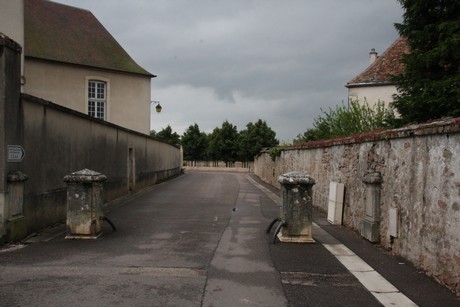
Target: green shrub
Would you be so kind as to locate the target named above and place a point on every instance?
(276, 151)
(347, 120)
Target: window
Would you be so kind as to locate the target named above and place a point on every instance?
(97, 99)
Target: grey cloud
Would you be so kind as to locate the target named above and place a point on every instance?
(296, 55)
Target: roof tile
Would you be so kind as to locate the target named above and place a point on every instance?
(62, 33)
(384, 67)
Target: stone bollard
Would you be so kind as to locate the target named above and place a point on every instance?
(15, 195)
(14, 200)
(84, 204)
(297, 207)
(371, 223)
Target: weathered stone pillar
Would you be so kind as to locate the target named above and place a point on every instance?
(15, 194)
(297, 207)
(84, 204)
(15, 200)
(371, 224)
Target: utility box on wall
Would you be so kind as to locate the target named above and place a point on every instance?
(393, 221)
(335, 203)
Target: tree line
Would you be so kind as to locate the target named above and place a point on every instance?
(224, 143)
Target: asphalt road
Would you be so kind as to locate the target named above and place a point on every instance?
(197, 240)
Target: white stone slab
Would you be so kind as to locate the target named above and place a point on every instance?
(354, 263)
(374, 282)
(394, 299)
(339, 250)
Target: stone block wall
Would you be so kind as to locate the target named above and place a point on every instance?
(420, 168)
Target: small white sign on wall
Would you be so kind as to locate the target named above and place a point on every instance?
(335, 205)
(393, 220)
(15, 153)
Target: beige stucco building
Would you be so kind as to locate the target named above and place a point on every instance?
(375, 82)
(126, 97)
(72, 60)
(12, 22)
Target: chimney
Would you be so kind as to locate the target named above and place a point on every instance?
(372, 56)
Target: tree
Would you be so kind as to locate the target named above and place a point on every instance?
(312, 134)
(223, 143)
(254, 138)
(429, 87)
(212, 152)
(167, 135)
(194, 143)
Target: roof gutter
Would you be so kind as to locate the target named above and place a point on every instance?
(93, 67)
(369, 84)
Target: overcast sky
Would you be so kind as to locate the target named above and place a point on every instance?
(244, 60)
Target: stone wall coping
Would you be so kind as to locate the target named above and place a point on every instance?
(61, 108)
(10, 43)
(16, 176)
(85, 176)
(296, 178)
(373, 178)
(441, 126)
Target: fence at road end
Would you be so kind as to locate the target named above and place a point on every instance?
(219, 166)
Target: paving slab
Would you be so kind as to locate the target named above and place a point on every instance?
(241, 271)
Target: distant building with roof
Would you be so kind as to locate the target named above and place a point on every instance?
(72, 60)
(375, 82)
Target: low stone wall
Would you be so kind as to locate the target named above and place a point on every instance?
(420, 169)
(59, 141)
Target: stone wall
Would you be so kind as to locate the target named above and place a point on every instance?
(420, 168)
(58, 141)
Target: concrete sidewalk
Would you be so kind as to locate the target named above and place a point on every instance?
(199, 240)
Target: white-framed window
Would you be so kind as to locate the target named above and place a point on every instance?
(97, 99)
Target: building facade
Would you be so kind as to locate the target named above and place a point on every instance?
(72, 60)
(375, 82)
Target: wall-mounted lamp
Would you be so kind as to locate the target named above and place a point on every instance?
(158, 107)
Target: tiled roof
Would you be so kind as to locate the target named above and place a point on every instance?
(62, 33)
(384, 67)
